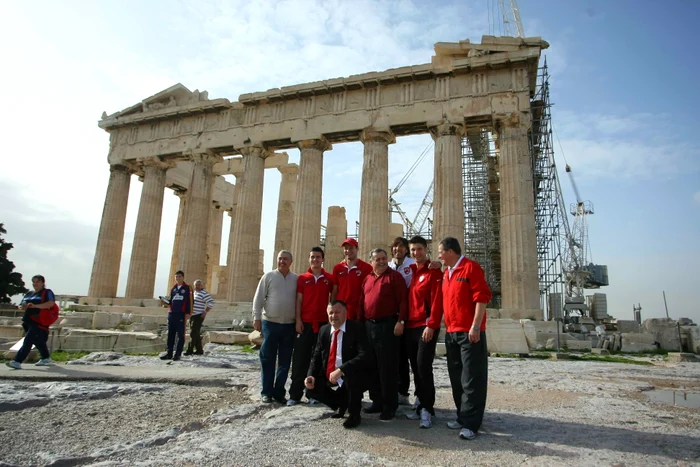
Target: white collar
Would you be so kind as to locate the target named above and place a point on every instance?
(456, 264)
(342, 328)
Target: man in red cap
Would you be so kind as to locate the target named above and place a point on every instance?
(349, 275)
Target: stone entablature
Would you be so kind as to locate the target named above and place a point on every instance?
(456, 88)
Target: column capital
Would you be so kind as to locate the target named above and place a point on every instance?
(119, 168)
(447, 129)
(181, 193)
(372, 134)
(320, 144)
(519, 120)
(156, 163)
(256, 151)
(207, 157)
(291, 169)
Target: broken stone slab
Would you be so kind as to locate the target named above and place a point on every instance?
(678, 357)
(506, 336)
(579, 345)
(627, 326)
(600, 352)
(228, 337)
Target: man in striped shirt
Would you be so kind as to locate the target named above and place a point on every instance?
(202, 304)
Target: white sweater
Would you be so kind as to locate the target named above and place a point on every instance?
(276, 297)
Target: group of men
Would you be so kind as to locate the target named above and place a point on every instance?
(366, 326)
(186, 305)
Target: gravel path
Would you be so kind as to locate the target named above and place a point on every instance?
(540, 412)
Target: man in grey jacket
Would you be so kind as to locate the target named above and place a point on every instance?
(274, 315)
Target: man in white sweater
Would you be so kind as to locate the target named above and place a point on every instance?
(274, 315)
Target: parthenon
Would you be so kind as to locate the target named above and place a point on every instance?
(181, 139)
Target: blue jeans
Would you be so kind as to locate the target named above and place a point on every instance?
(277, 347)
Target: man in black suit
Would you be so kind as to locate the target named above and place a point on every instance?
(335, 375)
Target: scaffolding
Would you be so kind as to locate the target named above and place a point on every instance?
(482, 207)
(550, 213)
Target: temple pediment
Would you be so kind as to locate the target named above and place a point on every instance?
(174, 96)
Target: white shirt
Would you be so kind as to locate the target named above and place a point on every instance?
(339, 351)
(450, 270)
(404, 269)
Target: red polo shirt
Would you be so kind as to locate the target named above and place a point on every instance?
(316, 293)
(425, 297)
(461, 293)
(349, 282)
(383, 295)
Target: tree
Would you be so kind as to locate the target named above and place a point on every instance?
(11, 283)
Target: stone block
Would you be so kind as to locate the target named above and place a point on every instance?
(600, 352)
(12, 332)
(440, 349)
(86, 340)
(693, 338)
(533, 330)
(506, 336)
(137, 342)
(228, 337)
(627, 326)
(535, 314)
(105, 320)
(665, 332)
(572, 344)
(678, 357)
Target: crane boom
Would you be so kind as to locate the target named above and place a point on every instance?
(511, 18)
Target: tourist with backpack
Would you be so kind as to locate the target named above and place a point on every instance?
(40, 312)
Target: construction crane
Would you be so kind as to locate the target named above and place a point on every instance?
(423, 211)
(510, 16)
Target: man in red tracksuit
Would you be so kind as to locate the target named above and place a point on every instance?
(423, 328)
(465, 294)
(349, 275)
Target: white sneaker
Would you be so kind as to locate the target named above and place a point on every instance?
(416, 404)
(291, 402)
(466, 433)
(313, 401)
(426, 419)
(413, 415)
(454, 425)
(403, 400)
(14, 364)
(44, 362)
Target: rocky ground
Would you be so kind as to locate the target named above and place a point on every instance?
(540, 412)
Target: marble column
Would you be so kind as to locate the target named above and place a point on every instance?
(243, 270)
(374, 199)
(448, 201)
(306, 232)
(144, 253)
(286, 210)
(216, 221)
(175, 258)
(222, 289)
(193, 250)
(108, 253)
(336, 233)
(519, 274)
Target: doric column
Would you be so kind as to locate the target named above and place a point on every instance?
(175, 258)
(108, 253)
(306, 232)
(286, 210)
(374, 199)
(336, 233)
(222, 289)
(216, 221)
(448, 203)
(243, 270)
(144, 253)
(193, 250)
(519, 275)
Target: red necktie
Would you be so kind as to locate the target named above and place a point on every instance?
(332, 356)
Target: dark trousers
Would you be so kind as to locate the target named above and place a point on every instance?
(383, 361)
(421, 355)
(404, 372)
(348, 397)
(301, 359)
(276, 351)
(467, 365)
(196, 335)
(176, 327)
(34, 337)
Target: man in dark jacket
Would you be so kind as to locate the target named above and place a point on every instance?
(178, 314)
(336, 371)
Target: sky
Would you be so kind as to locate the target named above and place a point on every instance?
(625, 116)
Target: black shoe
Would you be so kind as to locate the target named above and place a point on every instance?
(387, 415)
(374, 408)
(199, 353)
(352, 422)
(167, 356)
(266, 399)
(176, 358)
(338, 414)
(187, 354)
(281, 400)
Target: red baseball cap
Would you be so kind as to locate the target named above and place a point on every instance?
(351, 242)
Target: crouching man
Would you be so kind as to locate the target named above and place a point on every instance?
(336, 371)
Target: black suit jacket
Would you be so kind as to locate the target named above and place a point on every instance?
(354, 351)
